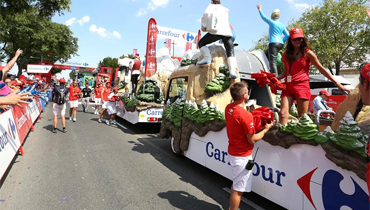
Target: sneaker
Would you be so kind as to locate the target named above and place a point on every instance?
(113, 122)
(70, 118)
(107, 122)
(64, 130)
(74, 119)
(55, 130)
(99, 121)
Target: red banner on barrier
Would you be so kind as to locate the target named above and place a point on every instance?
(151, 58)
(22, 120)
(333, 101)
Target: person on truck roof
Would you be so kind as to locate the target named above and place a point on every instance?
(215, 21)
(242, 137)
(276, 42)
(297, 61)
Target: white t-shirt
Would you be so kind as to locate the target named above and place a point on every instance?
(319, 104)
(111, 103)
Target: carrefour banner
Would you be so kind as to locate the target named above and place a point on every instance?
(175, 34)
(23, 122)
(9, 140)
(33, 110)
(151, 58)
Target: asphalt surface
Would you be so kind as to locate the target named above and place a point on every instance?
(95, 166)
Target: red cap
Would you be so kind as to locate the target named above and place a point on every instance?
(365, 72)
(296, 33)
(115, 88)
(62, 81)
(324, 92)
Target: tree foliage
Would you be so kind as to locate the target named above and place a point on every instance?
(27, 25)
(109, 62)
(338, 31)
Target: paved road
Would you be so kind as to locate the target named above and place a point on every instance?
(95, 166)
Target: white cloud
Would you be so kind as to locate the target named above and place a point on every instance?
(81, 21)
(70, 21)
(152, 5)
(103, 32)
(298, 6)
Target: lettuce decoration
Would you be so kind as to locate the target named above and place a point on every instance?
(129, 101)
(305, 129)
(293, 111)
(349, 137)
(323, 137)
(289, 127)
(147, 91)
(167, 112)
(186, 62)
(217, 85)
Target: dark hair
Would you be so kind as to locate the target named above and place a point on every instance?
(290, 49)
(237, 90)
(216, 1)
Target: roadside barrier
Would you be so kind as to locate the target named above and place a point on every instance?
(15, 124)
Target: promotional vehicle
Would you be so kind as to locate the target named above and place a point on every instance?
(151, 115)
(297, 176)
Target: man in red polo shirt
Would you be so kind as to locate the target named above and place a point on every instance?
(97, 92)
(105, 93)
(242, 136)
(74, 94)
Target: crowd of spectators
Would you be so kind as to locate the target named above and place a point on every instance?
(11, 86)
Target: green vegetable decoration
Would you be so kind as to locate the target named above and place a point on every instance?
(223, 69)
(129, 102)
(289, 127)
(176, 113)
(305, 129)
(293, 111)
(202, 113)
(324, 137)
(278, 101)
(186, 62)
(220, 114)
(211, 113)
(167, 112)
(219, 84)
(349, 137)
(146, 93)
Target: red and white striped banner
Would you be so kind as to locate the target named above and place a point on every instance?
(151, 59)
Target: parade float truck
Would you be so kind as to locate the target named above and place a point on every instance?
(296, 167)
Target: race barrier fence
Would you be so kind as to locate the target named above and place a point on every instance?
(15, 125)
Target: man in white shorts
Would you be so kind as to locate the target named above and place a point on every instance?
(74, 95)
(242, 136)
(59, 106)
(111, 106)
(97, 93)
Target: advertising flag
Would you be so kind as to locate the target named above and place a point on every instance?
(151, 59)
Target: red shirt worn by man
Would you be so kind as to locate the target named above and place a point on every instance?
(239, 124)
(74, 92)
(97, 92)
(106, 93)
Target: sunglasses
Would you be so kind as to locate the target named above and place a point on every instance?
(297, 39)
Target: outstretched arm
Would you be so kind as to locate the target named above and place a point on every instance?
(11, 63)
(264, 18)
(315, 61)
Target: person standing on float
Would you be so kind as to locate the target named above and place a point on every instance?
(215, 21)
(276, 41)
(297, 60)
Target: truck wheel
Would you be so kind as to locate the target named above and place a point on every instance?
(172, 140)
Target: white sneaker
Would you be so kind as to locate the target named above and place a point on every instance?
(70, 118)
(74, 119)
(107, 122)
(99, 121)
(113, 122)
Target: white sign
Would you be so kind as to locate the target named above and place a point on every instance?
(9, 140)
(170, 33)
(34, 110)
(300, 177)
(41, 69)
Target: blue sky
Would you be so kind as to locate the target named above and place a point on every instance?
(115, 28)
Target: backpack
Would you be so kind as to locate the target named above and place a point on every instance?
(60, 98)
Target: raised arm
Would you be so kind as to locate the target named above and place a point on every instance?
(315, 61)
(11, 63)
(264, 18)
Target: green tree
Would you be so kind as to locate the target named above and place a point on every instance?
(109, 62)
(338, 31)
(72, 75)
(32, 30)
(261, 44)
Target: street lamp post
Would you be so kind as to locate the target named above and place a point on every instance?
(173, 47)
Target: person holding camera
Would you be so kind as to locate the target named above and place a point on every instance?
(242, 137)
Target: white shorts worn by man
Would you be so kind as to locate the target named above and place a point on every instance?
(59, 109)
(73, 104)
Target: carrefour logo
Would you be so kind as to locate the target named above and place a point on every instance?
(333, 196)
